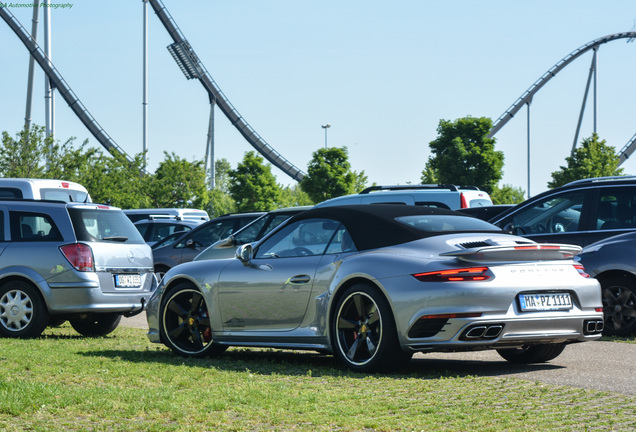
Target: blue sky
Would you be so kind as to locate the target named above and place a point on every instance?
(381, 73)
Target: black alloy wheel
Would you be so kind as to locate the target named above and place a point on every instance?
(364, 331)
(185, 324)
(619, 306)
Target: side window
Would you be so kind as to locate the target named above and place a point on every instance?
(555, 214)
(33, 227)
(302, 238)
(210, 233)
(143, 229)
(616, 209)
(341, 242)
(10, 193)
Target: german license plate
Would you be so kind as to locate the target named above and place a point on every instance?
(545, 302)
(128, 281)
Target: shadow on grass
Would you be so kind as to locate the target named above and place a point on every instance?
(303, 363)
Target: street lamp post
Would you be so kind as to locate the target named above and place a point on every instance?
(325, 127)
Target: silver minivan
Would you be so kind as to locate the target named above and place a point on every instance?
(81, 262)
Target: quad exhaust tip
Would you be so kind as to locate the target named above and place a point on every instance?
(591, 327)
(482, 332)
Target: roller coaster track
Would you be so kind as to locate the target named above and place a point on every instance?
(526, 98)
(219, 98)
(215, 93)
(58, 82)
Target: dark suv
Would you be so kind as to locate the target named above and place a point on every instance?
(85, 263)
(581, 212)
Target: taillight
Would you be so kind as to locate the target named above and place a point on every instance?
(80, 256)
(579, 268)
(464, 203)
(454, 275)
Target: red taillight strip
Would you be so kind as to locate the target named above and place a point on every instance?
(453, 315)
(579, 268)
(536, 247)
(454, 275)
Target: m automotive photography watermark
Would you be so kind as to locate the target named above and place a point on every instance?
(42, 5)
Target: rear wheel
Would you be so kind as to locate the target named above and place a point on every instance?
(95, 324)
(23, 313)
(364, 331)
(619, 306)
(184, 323)
(532, 353)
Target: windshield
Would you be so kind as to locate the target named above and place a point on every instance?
(104, 226)
(446, 223)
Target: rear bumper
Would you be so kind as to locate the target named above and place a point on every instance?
(89, 297)
(513, 333)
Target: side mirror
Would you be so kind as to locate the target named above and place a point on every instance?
(190, 244)
(244, 253)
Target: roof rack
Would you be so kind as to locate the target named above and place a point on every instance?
(600, 179)
(450, 187)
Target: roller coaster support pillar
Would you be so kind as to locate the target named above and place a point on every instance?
(587, 91)
(209, 150)
(48, 86)
(34, 37)
(145, 85)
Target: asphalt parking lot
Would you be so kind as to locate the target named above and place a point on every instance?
(604, 366)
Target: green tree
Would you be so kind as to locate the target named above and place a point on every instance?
(463, 154)
(178, 183)
(507, 195)
(253, 186)
(329, 175)
(221, 202)
(294, 196)
(114, 180)
(593, 159)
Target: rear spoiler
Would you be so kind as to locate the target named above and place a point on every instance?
(535, 252)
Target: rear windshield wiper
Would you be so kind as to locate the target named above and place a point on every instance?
(116, 238)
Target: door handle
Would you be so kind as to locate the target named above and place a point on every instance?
(299, 279)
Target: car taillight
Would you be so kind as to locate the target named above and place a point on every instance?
(454, 275)
(80, 256)
(464, 203)
(579, 268)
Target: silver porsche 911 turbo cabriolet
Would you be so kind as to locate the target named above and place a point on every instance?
(374, 284)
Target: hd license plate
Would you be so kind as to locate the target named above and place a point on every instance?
(127, 281)
(545, 302)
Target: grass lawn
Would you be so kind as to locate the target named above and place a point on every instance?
(66, 382)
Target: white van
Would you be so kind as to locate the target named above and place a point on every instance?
(450, 197)
(43, 189)
(167, 213)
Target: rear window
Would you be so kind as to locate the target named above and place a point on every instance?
(446, 223)
(101, 225)
(68, 195)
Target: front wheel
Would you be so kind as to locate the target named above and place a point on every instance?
(619, 306)
(364, 331)
(95, 324)
(532, 353)
(23, 313)
(184, 323)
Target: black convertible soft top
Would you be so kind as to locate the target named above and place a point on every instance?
(374, 226)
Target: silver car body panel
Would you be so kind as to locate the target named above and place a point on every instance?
(295, 303)
(64, 289)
